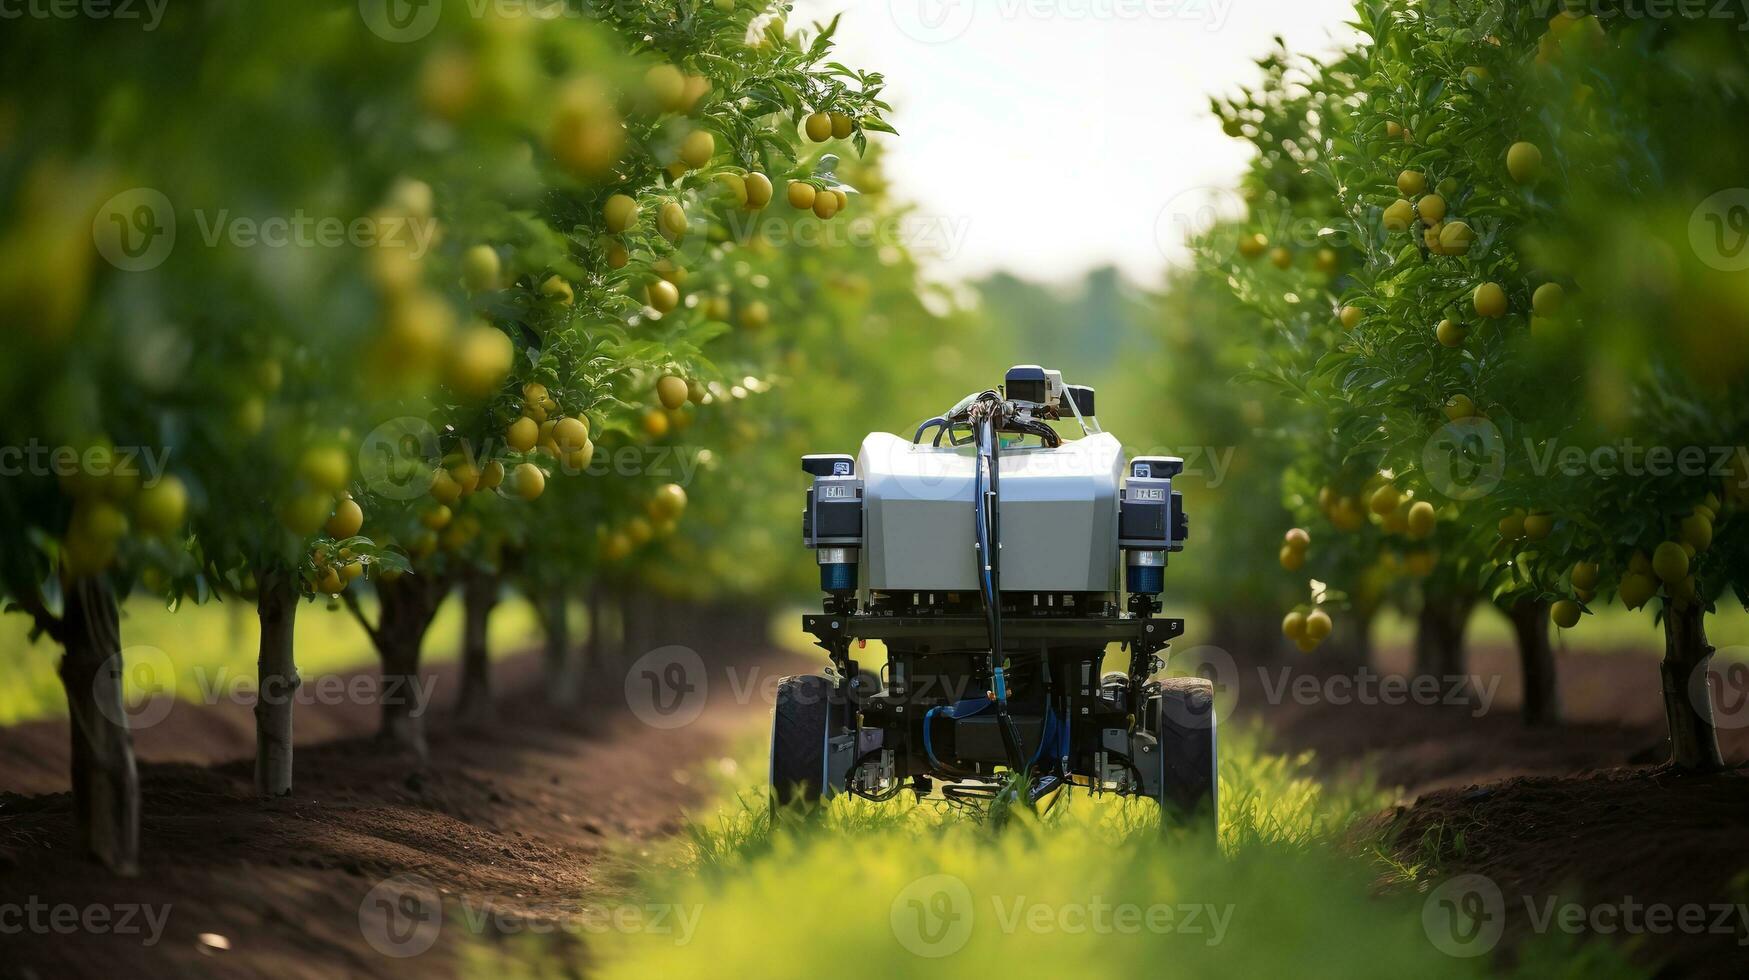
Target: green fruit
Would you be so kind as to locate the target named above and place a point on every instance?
(481, 268)
(162, 506)
(1636, 590)
(1697, 531)
(1412, 183)
(1670, 562)
(1548, 299)
(620, 212)
(1565, 613)
(818, 127)
(1421, 519)
(1524, 162)
(1451, 334)
(1584, 575)
(1490, 300)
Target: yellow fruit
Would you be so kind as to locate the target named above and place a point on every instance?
(1538, 526)
(330, 582)
(1565, 613)
(1412, 183)
(758, 190)
(818, 127)
(1385, 500)
(1456, 238)
(841, 126)
(1490, 300)
(1459, 407)
(1421, 519)
(1328, 261)
(1432, 208)
(1524, 162)
(347, 520)
(620, 212)
(1697, 531)
(617, 256)
(1420, 564)
(1297, 539)
(444, 488)
(304, 514)
(1512, 527)
(1394, 129)
(843, 198)
(1306, 644)
(1548, 299)
(1251, 246)
(736, 186)
(1399, 216)
(1293, 625)
(569, 434)
(577, 460)
(1636, 589)
(825, 205)
(351, 570)
(1351, 316)
(527, 481)
(671, 221)
(666, 86)
(655, 424)
(325, 468)
(668, 502)
(662, 295)
(697, 87)
(755, 315)
(1584, 575)
(801, 195)
(616, 547)
(1451, 334)
(1640, 562)
(162, 506)
(697, 148)
(586, 134)
(671, 391)
(491, 475)
(522, 434)
(481, 361)
(1670, 562)
(558, 290)
(481, 268)
(1585, 595)
(1291, 559)
(1318, 625)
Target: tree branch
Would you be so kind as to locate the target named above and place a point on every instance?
(351, 602)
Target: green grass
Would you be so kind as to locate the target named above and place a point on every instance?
(216, 643)
(1297, 887)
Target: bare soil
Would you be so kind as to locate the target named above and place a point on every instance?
(535, 817)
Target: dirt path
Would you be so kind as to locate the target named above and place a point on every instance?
(531, 820)
(1582, 815)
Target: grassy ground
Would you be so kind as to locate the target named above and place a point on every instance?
(218, 641)
(1299, 886)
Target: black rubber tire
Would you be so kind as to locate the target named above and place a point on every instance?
(1183, 712)
(801, 723)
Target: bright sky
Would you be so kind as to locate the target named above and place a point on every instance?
(1051, 136)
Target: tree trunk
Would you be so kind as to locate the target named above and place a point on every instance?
(479, 595)
(558, 660)
(1536, 660)
(1439, 635)
(277, 681)
(1688, 706)
(106, 786)
(408, 605)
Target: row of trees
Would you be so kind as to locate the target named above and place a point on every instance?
(320, 304)
(1486, 259)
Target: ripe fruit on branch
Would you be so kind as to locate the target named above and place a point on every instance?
(1399, 215)
(1456, 238)
(348, 518)
(697, 148)
(671, 391)
(1524, 162)
(522, 434)
(1565, 613)
(758, 190)
(1421, 519)
(662, 296)
(1318, 625)
(570, 434)
(801, 195)
(1636, 589)
(527, 481)
(1432, 208)
(1670, 562)
(558, 290)
(1351, 316)
(620, 212)
(1459, 407)
(1412, 183)
(671, 221)
(1584, 575)
(1451, 334)
(1293, 625)
(818, 126)
(1490, 300)
(1548, 299)
(667, 503)
(1538, 526)
(162, 506)
(481, 268)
